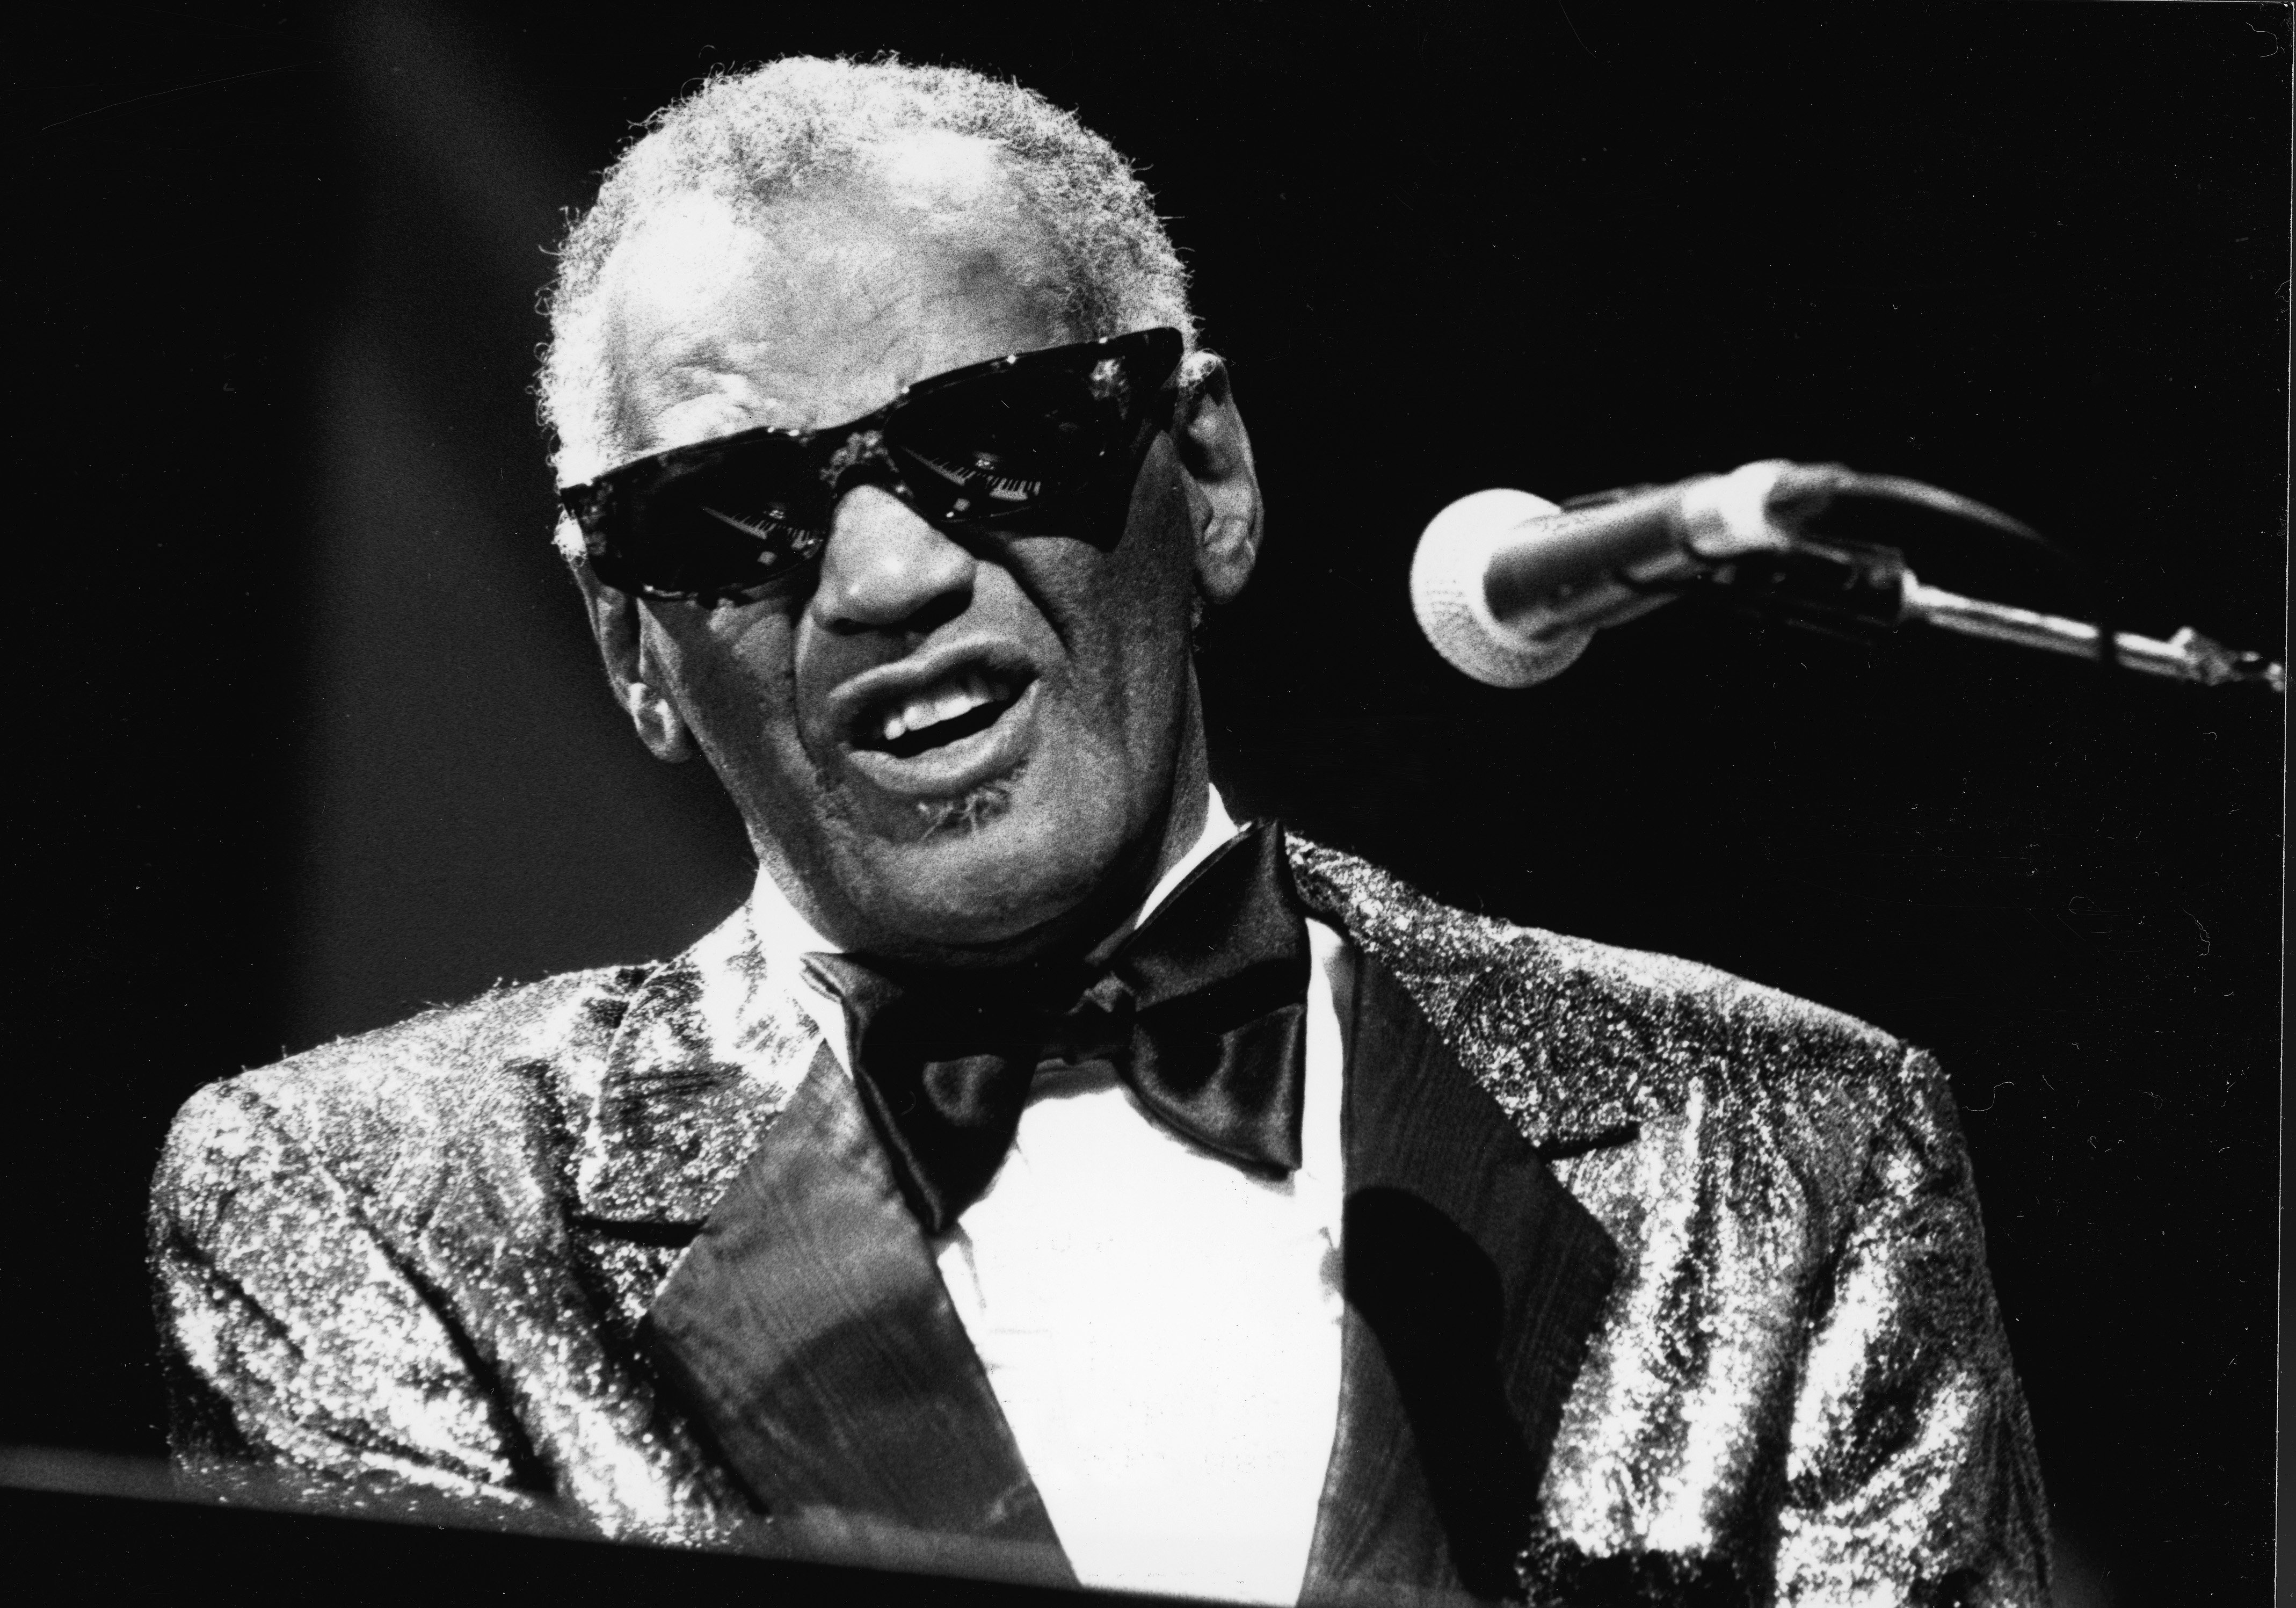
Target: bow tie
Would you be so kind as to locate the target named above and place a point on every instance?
(1202, 1011)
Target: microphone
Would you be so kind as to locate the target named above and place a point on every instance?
(1511, 588)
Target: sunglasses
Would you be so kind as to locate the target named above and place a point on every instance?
(1035, 443)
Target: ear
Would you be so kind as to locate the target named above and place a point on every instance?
(1217, 454)
(632, 669)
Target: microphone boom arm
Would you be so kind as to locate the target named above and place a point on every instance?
(1813, 582)
(2187, 656)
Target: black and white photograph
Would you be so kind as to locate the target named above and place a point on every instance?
(1425, 803)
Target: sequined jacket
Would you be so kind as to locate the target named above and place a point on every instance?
(422, 1260)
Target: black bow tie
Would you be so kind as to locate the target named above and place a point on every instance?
(1203, 1010)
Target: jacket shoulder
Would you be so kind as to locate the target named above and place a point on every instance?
(373, 1107)
(1578, 1039)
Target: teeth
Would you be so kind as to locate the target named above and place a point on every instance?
(919, 713)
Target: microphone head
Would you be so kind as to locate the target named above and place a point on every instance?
(1447, 575)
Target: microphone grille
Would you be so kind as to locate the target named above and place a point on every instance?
(1448, 574)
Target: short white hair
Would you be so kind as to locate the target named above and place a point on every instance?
(752, 137)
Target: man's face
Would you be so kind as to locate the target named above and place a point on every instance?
(941, 748)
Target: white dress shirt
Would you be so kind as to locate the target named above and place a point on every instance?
(1160, 1327)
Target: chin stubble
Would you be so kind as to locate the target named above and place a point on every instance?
(963, 817)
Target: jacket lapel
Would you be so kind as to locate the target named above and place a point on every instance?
(805, 1328)
(808, 1330)
(1472, 1280)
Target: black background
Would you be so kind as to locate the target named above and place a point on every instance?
(311, 734)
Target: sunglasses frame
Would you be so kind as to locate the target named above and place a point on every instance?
(821, 465)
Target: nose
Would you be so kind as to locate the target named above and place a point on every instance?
(887, 570)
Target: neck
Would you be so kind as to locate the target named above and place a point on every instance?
(1093, 927)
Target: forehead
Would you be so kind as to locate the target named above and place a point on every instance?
(821, 306)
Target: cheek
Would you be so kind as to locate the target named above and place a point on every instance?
(729, 673)
(1145, 606)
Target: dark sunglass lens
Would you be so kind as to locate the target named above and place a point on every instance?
(701, 550)
(1000, 440)
(720, 521)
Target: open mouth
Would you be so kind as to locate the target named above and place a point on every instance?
(948, 711)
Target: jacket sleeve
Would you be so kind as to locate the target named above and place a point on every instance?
(1911, 1475)
(303, 1356)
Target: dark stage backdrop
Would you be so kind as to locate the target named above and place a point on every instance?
(314, 735)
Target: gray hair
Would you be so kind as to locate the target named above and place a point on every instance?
(752, 137)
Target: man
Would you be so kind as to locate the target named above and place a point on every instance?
(1036, 1163)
